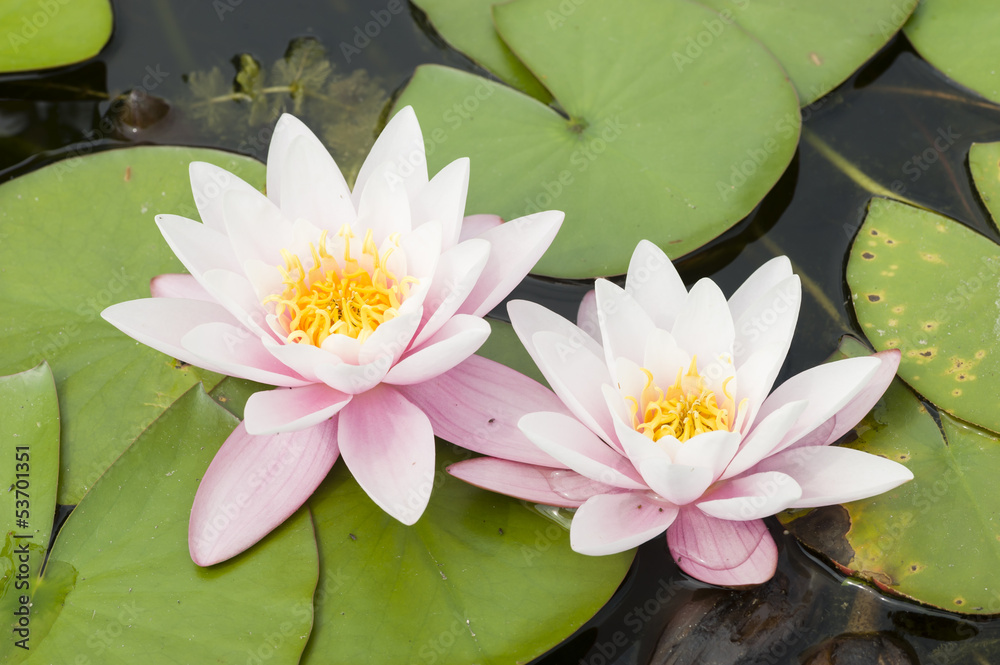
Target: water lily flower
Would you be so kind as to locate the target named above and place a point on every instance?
(361, 306)
(666, 420)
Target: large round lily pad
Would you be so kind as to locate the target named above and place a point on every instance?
(959, 38)
(934, 539)
(480, 578)
(929, 286)
(468, 26)
(38, 34)
(647, 148)
(820, 43)
(76, 237)
(120, 586)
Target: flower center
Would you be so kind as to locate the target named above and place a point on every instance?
(683, 410)
(350, 297)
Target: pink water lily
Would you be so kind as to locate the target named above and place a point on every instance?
(666, 420)
(363, 307)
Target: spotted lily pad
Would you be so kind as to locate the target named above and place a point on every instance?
(76, 237)
(480, 578)
(934, 539)
(120, 587)
(640, 147)
(928, 286)
(38, 34)
(820, 43)
(29, 443)
(468, 26)
(959, 38)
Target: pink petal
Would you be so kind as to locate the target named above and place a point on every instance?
(458, 270)
(751, 497)
(576, 375)
(388, 445)
(256, 228)
(516, 247)
(161, 323)
(197, 246)
(254, 484)
(764, 278)
(568, 441)
(401, 145)
(827, 388)
(289, 409)
(521, 481)
(312, 187)
(610, 523)
(625, 326)
(654, 283)
(458, 339)
(383, 205)
(178, 285)
(852, 412)
(209, 183)
(239, 353)
(586, 315)
(704, 325)
(831, 474)
(764, 437)
(711, 450)
(280, 166)
(529, 318)
(477, 405)
(722, 552)
(474, 226)
(677, 483)
(770, 319)
(443, 201)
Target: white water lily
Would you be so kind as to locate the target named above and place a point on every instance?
(665, 419)
(364, 307)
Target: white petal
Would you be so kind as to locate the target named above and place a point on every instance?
(312, 187)
(654, 283)
(765, 435)
(383, 206)
(752, 497)
(458, 339)
(208, 185)
(443, 201)
(401, 146)
(770, 319)
(768, 275)
(704, 326)
(458, 270)
(625, 326)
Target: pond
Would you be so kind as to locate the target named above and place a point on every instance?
(896, 128)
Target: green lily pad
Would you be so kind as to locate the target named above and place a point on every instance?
(76, 237)
(984, 163)
(927, 285)
(933, 539)
(468, 27)
(120, 586)
(820, 43)
(38, 34)
(480, 578)
(29, 438)
(958, 37)
(649, 149)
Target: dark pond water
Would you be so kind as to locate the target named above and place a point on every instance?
(883, 121)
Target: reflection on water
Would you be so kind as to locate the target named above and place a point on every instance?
(897, 123)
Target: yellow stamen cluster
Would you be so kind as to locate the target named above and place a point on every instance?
(683, 410)
(338, 297)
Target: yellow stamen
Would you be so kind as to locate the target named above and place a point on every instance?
(349, 297)
(685, 409)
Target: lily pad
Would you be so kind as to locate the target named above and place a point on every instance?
(120, 586)
(984, 163)
(76, 237)
(820, 43)
(928, 286)
(468, 27)
(643, 148)
(39, 34)
(958, 37)
(933, 539)
(29, 443)
(481, 578)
